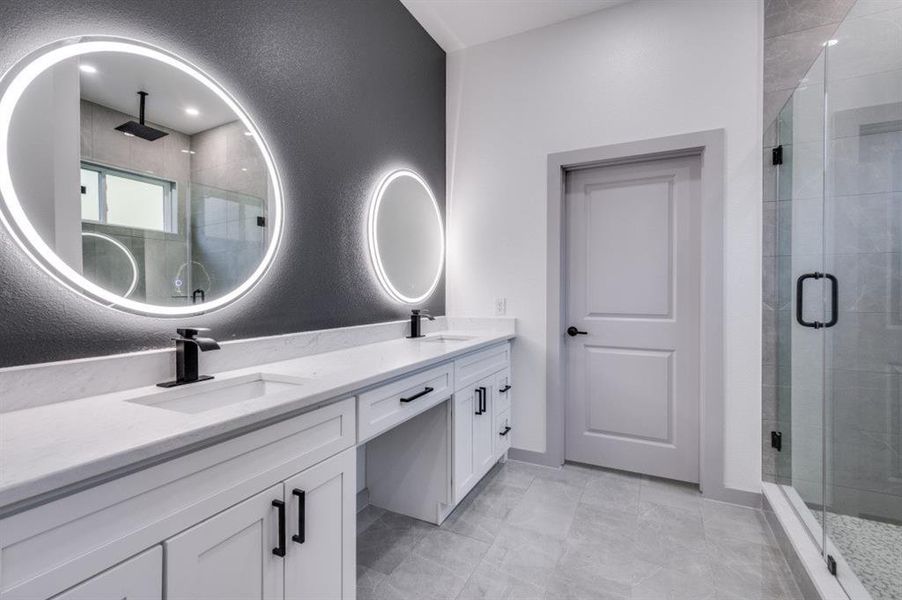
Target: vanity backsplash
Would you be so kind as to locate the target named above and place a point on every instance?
(40, 384)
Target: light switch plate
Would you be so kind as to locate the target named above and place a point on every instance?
(500, 307)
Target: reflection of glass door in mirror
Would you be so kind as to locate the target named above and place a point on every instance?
(170, 173)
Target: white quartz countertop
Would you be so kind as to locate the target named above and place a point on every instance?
(51, 450)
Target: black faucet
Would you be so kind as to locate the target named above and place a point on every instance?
(186, 348)
(416, 316)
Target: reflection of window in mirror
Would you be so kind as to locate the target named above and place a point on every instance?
(115, 197)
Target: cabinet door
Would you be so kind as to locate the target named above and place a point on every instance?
(484, 430)
(466, 404)
(138, 578)
(322, 504)
(229, 555)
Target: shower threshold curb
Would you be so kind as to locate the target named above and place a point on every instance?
(802, 554)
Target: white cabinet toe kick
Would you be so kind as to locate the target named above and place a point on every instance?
(271, 513)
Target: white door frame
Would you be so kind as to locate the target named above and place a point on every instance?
(709, 146)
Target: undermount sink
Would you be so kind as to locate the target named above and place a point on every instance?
(196, 398)
(441, 338)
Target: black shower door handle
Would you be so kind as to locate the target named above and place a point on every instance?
(800, 300)
(834, 300)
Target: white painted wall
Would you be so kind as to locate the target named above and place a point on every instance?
(639, 70)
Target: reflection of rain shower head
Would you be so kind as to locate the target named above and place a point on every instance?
(139, 129)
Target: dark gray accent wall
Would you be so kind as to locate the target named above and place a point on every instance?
(343, 91)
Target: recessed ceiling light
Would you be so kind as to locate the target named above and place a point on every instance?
(87, 69)
(248, 133)
(192, 111)
(831, 42)
(187, 151)
(244, 168)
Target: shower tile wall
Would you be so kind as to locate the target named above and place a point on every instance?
(159, 255)
(229, 191)
(794, 32)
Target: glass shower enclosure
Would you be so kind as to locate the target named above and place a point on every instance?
(839, 309)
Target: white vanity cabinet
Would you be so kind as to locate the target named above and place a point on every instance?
(295, 540)
(481, 411)
(266, 512)
(229, 555)
(138, 578)
(212, 511)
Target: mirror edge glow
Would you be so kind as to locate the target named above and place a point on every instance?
(13, 84)
(375, 256)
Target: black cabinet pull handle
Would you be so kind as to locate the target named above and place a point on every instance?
(800, 300)
(302, 515)
(478, 392)
(504, 389)
(482, 405)
(417, 395)
(506, 431)
(280, 549)
(573, 331)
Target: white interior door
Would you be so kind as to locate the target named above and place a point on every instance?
(320, 564)
(229, 555)
(633, 279)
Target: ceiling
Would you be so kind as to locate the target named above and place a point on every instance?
(458, 24)
(120, 76)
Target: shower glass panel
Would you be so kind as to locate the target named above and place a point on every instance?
(839, 309)
(862, 248)
(800, 348)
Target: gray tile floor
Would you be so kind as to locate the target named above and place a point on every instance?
(529, 532)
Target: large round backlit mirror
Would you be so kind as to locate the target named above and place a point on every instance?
(134, 178)
(407, 239)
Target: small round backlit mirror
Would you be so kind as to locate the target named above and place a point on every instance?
(407, 237)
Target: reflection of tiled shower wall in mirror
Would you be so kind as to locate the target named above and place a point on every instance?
(230, 192)
(159, 254)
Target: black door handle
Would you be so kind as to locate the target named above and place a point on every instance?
(482, 405)
(302, 515)
(478, 392)
(504, 389)
(573, 331)
(280, 549)
(506, 431)
(417, 395)
(800, 300)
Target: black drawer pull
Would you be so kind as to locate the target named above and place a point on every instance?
(482, 401)
(504, 389)
(302, 515)
(418, 395)
(280, 549)
(506, 431)
(478, 392)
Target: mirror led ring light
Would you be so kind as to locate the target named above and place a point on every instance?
(14, 83)
(128, 254)
(374, 241)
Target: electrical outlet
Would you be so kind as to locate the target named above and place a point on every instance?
(500, 307)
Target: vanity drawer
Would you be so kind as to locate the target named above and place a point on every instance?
(503, 391)
(382, 408)
(470, 369)
(502, 433)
